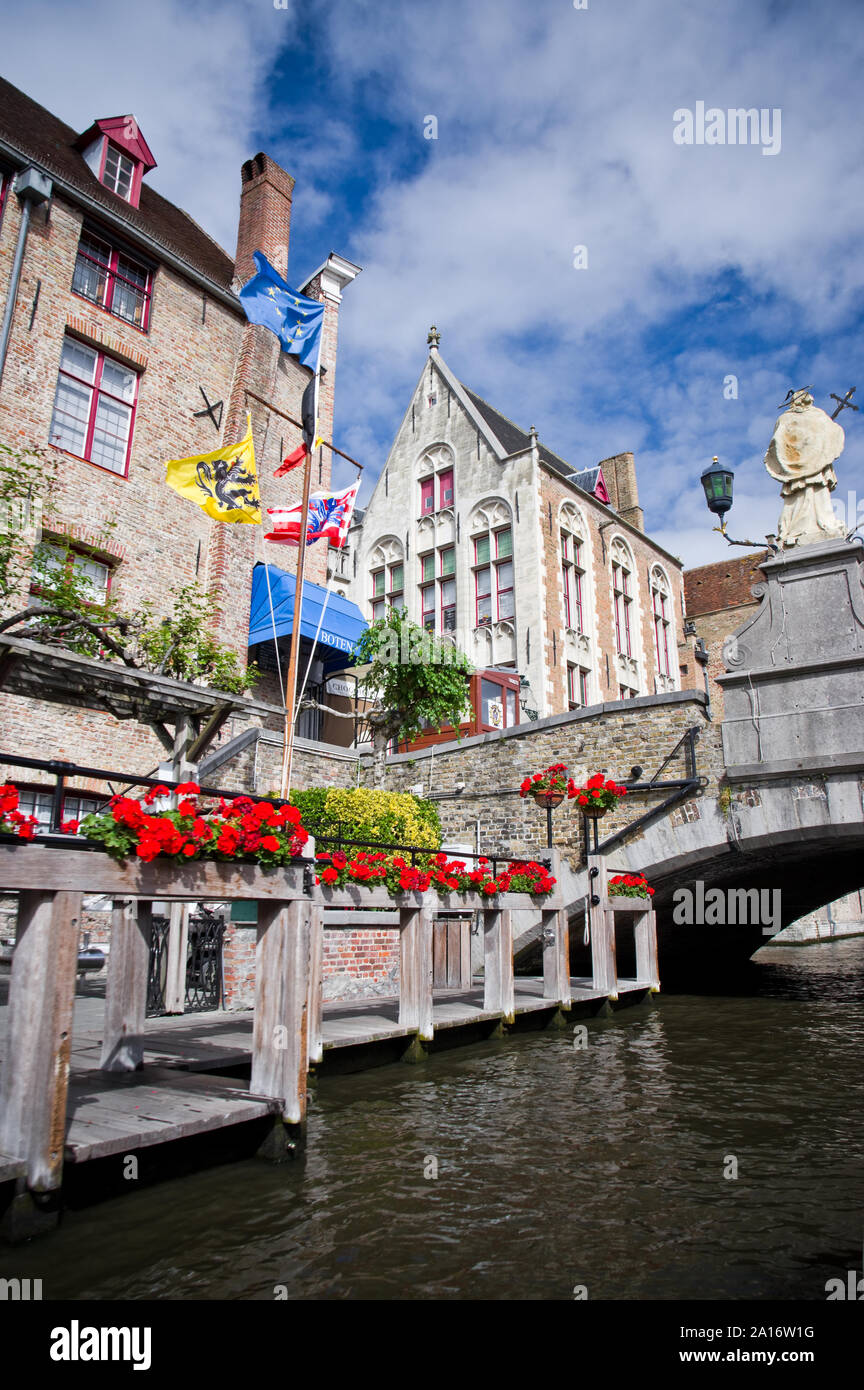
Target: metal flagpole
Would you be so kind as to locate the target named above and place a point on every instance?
(291, 680)
(327, 593)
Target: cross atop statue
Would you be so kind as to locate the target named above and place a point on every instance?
(845, 403)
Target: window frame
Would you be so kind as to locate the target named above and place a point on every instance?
(495, 563)
(661, 622)
(572, 572)
(71, 554)
(444, 578)
(112, 274)
(577, 685)
(623, 600)
(29, 795)
(95, 388)
(134, 182)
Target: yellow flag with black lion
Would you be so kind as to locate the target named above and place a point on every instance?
(223, 483)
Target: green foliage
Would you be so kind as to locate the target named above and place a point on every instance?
(311, 803)
(181, 645)
(417, 680)
(362, 813)
(27, 481)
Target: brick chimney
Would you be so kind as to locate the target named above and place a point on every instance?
(265, 215)
(619, 472)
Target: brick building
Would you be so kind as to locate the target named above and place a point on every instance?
(126, 328)
(483, 533)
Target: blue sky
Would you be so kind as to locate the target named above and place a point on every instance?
(555, 130)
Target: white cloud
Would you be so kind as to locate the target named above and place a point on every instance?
(191, 74)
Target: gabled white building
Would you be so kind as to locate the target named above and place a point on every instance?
(485, 535)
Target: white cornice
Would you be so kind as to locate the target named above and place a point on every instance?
(336, 272)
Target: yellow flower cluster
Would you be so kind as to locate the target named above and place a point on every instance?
(379, 815)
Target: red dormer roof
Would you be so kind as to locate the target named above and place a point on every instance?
(124, 132)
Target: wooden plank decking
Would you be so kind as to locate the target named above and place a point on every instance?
(216, 1041)
(114, 1112)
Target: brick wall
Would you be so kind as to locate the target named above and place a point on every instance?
(156, 539)
(357, 964)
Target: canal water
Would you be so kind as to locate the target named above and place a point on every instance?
(530, 1167)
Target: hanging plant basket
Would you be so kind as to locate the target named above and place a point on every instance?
(544, 797)
(594, 810)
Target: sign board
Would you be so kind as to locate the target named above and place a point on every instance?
(496, 714)
(337, 687)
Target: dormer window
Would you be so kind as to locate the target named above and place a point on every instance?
(119, 172)
(117, 154)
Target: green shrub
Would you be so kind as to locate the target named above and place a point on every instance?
(362, 813)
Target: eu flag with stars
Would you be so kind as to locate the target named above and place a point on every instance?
(297, 321)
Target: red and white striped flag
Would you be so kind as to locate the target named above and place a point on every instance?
(330, 515)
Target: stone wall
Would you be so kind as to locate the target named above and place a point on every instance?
(608, 738)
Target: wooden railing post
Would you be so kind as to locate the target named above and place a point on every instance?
(178, 950)
(316, 982)
(498, 987)
(602, 929)
(415, 967)
(126, 987)
(556, 957)
(647, 965)
(281, 1021)
(35, 1072)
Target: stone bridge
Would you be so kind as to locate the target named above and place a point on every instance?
(785, 812)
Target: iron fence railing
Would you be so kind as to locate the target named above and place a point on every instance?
(62, 771)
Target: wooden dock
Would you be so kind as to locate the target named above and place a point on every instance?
(135, 1083)
(221, 1041)
(117, 1112)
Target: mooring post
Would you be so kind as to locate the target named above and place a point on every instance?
(647, 965)
(602, 928)
(499, 994)
(126, 987)
(35, 1072)
(281, 1022)
(556, 957)
(316, 982)
(415, 967)
(178, 950)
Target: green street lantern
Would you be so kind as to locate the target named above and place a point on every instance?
(717, 483)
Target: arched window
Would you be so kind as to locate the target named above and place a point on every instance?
(387, 578)
(492, 565)
(435, 473)
(622, 598)
(573, 567)
(661, 609)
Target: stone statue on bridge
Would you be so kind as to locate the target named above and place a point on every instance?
(801, 455)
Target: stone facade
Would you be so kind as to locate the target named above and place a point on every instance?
(505, 479)
(719, 599)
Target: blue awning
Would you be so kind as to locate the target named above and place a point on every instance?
(343, 622)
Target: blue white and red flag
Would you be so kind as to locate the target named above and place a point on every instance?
(330, 516)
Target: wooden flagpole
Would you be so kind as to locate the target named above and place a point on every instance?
(294, 659)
